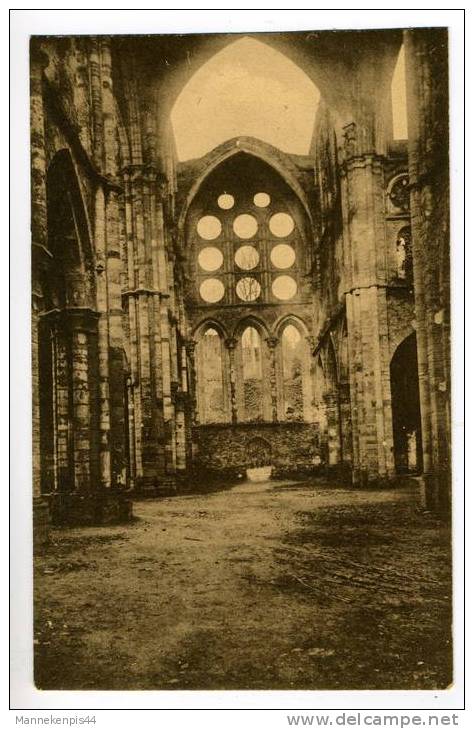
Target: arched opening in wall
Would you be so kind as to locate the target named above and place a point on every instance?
(248, 236)
(246, 89)
(259, 459)
(293, 356)
(399, 98)
(408, 450)
(252, 375)
(211, 387)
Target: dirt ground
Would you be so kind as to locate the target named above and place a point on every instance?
(261, 586)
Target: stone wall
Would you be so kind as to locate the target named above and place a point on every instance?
(294, 447)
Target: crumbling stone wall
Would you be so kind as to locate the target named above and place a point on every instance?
(295, 447)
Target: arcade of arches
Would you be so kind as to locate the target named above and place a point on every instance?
(250, 306)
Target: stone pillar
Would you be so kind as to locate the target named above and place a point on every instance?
(190, 346)
(103, 335)
(62, 417)
(116, 345)
(130, 414)
(225, 382)
(346, 424)
(180, 425)
(366, 309)
(182, 405)
(82, 325)
(96, 102)
(147, 310)
(39, 259)
(231, 344)
(39, 239)
(307, 385)
(272, 343)
(426, 53)
(333, 424)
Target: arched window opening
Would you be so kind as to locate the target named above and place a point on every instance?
(252, 375)
(293, 362)
(246, 89)
(399, 98)
(212, 404)
(247, 232)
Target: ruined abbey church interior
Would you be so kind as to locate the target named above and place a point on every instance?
(240, 275)
(207, 300)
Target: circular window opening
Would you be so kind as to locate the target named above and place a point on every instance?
(284, 287)
(248, 289)
(247, 257)
(245, 226)
(212, 290)
(283, 256)
(281, 224)
(262, 200)
(209, 227)
(225, 201)
(210, 258)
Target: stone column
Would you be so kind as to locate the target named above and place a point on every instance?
(428, 154)
(130, 414)
(309, 415)
(231, 344)
(149, 340)
(272, 343)
(62, 417)
(345, 420)
(39, 239)
(182, 406)
(103, 335)
(180, 435)
(190, 346)
(225, 382)
(116, 343)
(82, 325)
(366, 308)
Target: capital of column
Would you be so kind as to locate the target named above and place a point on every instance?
(76, 319)
(230, 343)
(272, 342)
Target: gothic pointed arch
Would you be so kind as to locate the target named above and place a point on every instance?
(71, 273)
(282, 164)
(287, 319)
(244, 88)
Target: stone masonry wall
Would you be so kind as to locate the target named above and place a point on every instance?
(293, 446)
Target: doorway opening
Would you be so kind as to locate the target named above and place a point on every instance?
(408, 452)
(259, 459)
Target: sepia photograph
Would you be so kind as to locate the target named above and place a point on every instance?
(240, 360)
